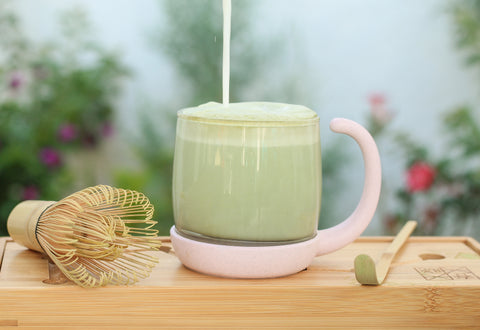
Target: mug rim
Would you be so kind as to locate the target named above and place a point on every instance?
(253, 123)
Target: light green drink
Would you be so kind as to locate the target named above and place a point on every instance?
(247, 172)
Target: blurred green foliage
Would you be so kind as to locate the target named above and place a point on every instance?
(55, 97)
(450, 203)
(466, 17)
(192, 39)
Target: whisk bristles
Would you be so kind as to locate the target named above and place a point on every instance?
(100, 235)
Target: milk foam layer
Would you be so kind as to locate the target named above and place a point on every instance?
(251, 111)
(249, 124)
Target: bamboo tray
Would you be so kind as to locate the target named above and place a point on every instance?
(434, 282)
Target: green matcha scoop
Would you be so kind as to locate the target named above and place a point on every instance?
(369, 273)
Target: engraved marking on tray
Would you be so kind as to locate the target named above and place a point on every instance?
(446, 273)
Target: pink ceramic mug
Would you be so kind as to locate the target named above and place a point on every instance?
(247, 189)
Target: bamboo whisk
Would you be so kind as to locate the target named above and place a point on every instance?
(97, 236)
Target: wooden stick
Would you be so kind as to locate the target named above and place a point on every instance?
(366, 272)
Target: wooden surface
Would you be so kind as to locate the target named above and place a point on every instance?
(441, 291)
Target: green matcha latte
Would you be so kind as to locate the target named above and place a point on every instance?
(247, 172)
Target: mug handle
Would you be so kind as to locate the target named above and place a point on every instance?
(336, 237)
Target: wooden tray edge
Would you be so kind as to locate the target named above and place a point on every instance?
(468, 241)
(419, 239)
(473, 244)
(3, 245)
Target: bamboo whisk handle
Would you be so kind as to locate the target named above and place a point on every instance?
(22, 223)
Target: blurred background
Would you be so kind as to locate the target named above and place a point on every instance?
(89, 92)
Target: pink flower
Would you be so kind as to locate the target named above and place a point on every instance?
(377, 99)
(379, 110)
(50, 157)
(30, 192)
(67, 132)
(16, 81)
(107, 129)
(420, 176)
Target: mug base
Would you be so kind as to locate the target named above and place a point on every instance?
(225, 241)
(235, 261)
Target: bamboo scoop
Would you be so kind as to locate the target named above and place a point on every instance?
(367, 272)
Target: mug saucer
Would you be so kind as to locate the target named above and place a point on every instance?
(233, 261)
